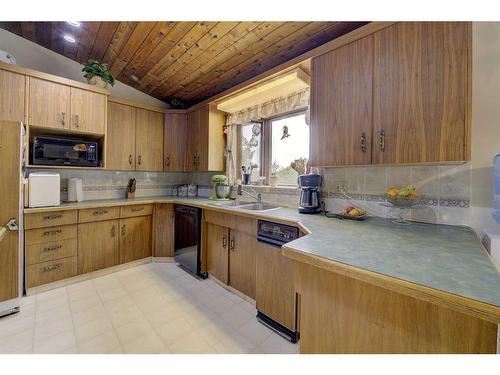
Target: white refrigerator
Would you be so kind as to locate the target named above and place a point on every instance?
(12, 155)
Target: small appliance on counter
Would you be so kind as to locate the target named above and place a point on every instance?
(62, 151)
(75, 189)
(310, 198)
(220, 188)
(44, 189)
(192, 190)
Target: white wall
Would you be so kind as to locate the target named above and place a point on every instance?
(32, 56)
(485, 121)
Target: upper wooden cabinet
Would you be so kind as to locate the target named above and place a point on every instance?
(50, 104)
(134, 138)
(341, 105)
(149, 140)
(174, 142)
(88, 111)
(12, 96)
(400, 95)
(120, 137)
(420, 92)
(205, 139)
(56, 105)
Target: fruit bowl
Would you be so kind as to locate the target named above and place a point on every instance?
(402, 201)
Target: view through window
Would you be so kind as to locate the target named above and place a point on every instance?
(251, 149)
(289, 148)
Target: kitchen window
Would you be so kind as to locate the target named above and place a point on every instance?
(278, 145)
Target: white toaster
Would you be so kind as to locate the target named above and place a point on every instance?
(44, 189)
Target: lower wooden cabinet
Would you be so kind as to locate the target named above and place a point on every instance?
(98, 245)
(242, 248)
(218, 254)
(163, 227)
(48, 272)
(135, 238)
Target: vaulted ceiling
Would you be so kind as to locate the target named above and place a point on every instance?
(191, 61)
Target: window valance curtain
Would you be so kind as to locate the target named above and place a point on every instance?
(272, 108)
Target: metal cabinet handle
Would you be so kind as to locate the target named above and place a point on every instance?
(139, 160)
(137, 209)
(76, 121)
(52, 217)
(363, 142)
(52, 248)
(52, 267)
(130, 159)
(231, 244)
(63, 119)
(123, 230)
(224, 242)
(167, 161)
(100, 212)
(52, 232)
(113, 231)
(382, 140)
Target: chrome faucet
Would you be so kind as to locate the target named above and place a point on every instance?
(257, 196)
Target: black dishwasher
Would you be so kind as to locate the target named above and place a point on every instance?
(187, 249)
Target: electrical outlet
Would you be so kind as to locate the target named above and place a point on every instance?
(340, 186)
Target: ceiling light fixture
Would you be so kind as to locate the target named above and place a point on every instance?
(134, 78)
(69, 38)
(74, 23)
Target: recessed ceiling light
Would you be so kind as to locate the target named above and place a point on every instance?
(74, 23)
(134, 78)
(69, 38)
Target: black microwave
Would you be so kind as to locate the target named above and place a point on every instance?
(61, 151)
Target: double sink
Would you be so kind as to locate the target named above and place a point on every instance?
(246, 206)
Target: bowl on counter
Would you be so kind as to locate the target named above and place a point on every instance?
(222, 191)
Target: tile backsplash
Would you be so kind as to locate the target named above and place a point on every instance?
(112, 184)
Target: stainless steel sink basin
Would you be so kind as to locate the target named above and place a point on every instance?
(227, 203)
(258, 207)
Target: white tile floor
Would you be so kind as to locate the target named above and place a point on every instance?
(152, 308)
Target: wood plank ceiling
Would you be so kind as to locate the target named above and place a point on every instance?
(190, 61)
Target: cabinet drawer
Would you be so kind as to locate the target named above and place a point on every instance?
(48, 272)
(49, 219)
(45, 235)
(44, 252)
(90, 215)
(136, 210)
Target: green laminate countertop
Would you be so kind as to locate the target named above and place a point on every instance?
(447, 258)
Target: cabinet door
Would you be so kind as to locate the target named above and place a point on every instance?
(98, 245)
(149, 140)
(120, 137)
(50, 104)
(218, 255)
(242, 248)
(174, 142)
(274, 291)
(420, 92)
(12, 96)
(202, 138)
(88, 111)
(341, 105)
(164, 230)
(135, 238)
(192, 141)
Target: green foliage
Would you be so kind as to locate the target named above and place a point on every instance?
(94, 68)
(177, 104)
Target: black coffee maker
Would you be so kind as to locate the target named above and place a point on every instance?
(309, 201)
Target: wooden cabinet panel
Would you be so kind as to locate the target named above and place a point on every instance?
(44, 235)
(242, 250)
(12, 96)
(135, 238)
(174, 142)
(44, 252)
(48, 272)
(218, 252)
(90, 215)
(420, 92)
(341, 113)
(120, 137)
(149, 140)
(164, 230)
(192, 141)
(136, 210)
(50, 104)
(88, 111)
(98, 245)
(274, 291)
(50, 219)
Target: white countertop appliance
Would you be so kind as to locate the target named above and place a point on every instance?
(75, 189)
(44, 189)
